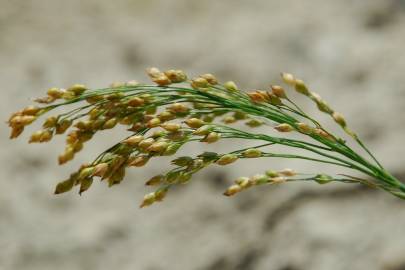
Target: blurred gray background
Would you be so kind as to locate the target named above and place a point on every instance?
(351, 52)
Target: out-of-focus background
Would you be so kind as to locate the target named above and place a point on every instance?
(351, 52)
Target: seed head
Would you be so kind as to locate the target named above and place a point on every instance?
(31, 110)
(231, 86)
(284, 127)
(258, 96)
(172, 149)
(301, 88)
(153, 72)
(252, 153)
(100, 169)
(62, 126)
(212, 137)
(178, 108)
(110, 123)
(139, 161)
(254, 123)
(288, 78)
(194, 122)
(77, 89)
(227, 159)
(244, 182)
(304, 128)
(133, 140)
(259, 179)
(322, 133)
(232, 190)
(16, 131)
(199, 82)
(136, 102)
(148, 199)
(288, 172)
(176, 76)
(155, 180)
(272, 174)
(21, 120)
(55, 93)
(50, 122)
(66, 156)
(210, 78)
(171, 127)
(158, 147)
(339, 118)
(144, 144)
(160, 194)
(162, 80)
(166, 116)
(204, 130)
(278, 91)
(154, 122)
(41, 136)
(229, 119)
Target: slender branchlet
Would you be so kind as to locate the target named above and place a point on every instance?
(173, 111)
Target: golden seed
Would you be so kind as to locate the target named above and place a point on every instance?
(144, 144)
(176, 76)
(158, 147)
(288, 172)
(171, 127)
(139, 161)
(229, 120)
(278, 91)
(162, 80)
(100, 169)
(148, 199)
(55, 92)
(288, 78)
(133, 140)
(252, 153)
(232, 190)
(304, 128)
(199, 83)
(136, 102)
(194, 122)
(77, 89)
(66, 156)
(339, 118)
(212, 137)
(227, 159)
(110, 123)
(16, 131)
(284, 127)
(210, 78)
(31, 110)
(301, 88)
(231, 86)
(155, 180)
(153, 72)
(154, 122)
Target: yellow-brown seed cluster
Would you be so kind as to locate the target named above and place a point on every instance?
(166, 78)
(20, 119)
(163, 118)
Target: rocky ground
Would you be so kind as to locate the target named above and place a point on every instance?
(349, 51)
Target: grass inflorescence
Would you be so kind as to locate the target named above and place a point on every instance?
(175, 110)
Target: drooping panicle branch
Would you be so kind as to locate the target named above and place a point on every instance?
(175, 111)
